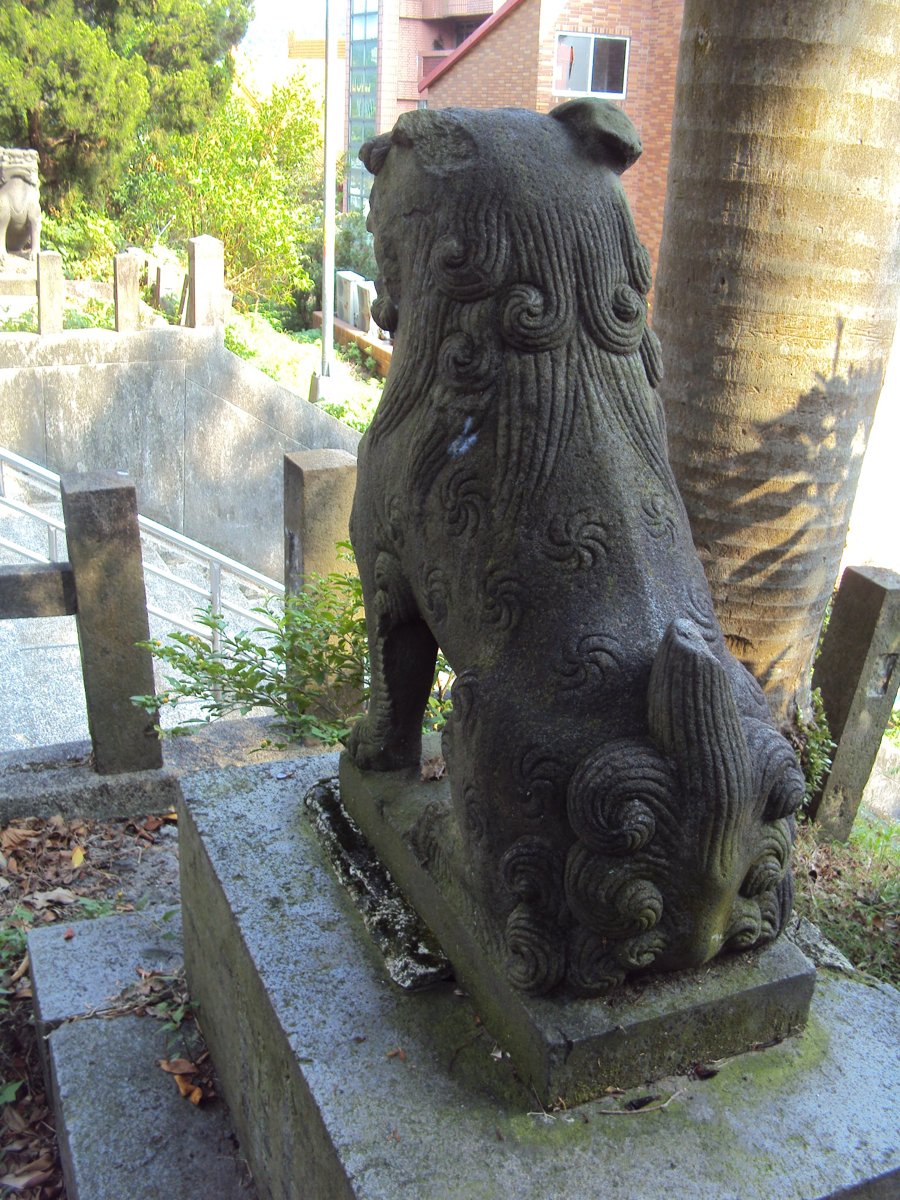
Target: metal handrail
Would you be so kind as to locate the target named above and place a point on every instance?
(215, 564)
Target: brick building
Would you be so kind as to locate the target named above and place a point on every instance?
(532, 54)
(537, 53)
(392, 45)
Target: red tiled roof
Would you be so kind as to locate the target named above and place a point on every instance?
(472, 40)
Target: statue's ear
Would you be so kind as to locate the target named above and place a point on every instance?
(603, 131)
(374, 152)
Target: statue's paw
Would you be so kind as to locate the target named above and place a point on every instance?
(371, 753)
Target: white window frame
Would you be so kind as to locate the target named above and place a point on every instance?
(607, 37)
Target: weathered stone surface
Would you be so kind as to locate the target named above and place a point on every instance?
(621, 799)
(51, 292)
(148, 403)
(117, 1129)
(22, 412)
(121, 418)
(307, 1037)
(206, 275)
(59, 778)
(105, 554)
(318, 496)
(858, 673)
(126, 292)
(37, 590)
(564, 1049)
(246, 513)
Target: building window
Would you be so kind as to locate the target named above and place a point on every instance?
(590, 64)
(363, 51)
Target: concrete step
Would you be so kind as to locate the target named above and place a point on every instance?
(122, 1125)
(344, 1086)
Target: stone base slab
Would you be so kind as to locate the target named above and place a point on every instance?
(341, 1085)
(572, 1050)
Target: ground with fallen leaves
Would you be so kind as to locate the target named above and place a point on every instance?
(64, 871)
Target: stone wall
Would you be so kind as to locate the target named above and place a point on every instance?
(201, 432)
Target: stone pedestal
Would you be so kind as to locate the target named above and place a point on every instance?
(563, 1048)
(341, 1085)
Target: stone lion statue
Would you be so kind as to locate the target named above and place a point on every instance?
(20, 208)
(621, 800)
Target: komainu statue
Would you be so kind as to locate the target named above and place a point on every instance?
(20, 209)
(621, 800)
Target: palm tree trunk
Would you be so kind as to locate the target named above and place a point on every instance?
(776, 302)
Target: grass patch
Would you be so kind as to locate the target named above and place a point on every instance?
(851, 891)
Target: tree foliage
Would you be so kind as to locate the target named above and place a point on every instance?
(83, 77)
(250, 176)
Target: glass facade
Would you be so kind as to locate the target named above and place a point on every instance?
(363, 51)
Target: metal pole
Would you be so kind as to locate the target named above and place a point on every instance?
(331, 79)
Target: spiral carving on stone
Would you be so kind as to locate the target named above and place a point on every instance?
(593, 969)
(537, 960)
(436, 594)
(746, 925)
(463, 501)
(466, 363)
(615, 902)
(474, 813)
(638, 953)
(503, 599)
(700, 610)
(576, 540)
(471, 267)
(532, 872)
(658, 518)
(396, 520)
(775, 908)
(772, 860)
(535, 320)
(617, 322)
(617, 794)
(781, 786)
(541, 778)
(464, 698)
(589, 660)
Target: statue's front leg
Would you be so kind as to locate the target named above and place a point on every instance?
(402, 654)
(35, 236)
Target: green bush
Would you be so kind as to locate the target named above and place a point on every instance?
(306, 661)
(250, 176)
(86, 238)
(813, 745)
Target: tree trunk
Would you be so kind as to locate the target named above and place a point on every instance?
(776, 302)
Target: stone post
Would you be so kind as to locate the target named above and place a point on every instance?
(857, 672)
(51, 291)
(126, 292)
(206, 290)
(100, 512)
(318, 496)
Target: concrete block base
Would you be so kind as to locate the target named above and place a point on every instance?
(565, 1049)
(341, 1085)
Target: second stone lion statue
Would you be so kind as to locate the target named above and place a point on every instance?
(621, 799)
